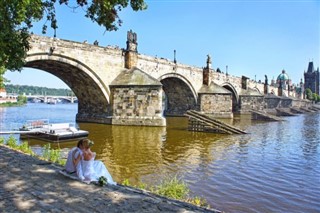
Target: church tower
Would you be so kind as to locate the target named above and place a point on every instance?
(311, 78)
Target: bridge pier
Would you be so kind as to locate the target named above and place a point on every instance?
(136, 99)
(94, 118)
(215, 101)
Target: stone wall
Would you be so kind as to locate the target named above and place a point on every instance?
(285, 102)
(217, 105)
(272, 101)
(251, 102)
(137, 106)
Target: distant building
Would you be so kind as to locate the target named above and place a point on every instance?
(4, 97)
(3, 93)
(283, 80)
(311, 78)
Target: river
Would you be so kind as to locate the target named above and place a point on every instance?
(274, 168)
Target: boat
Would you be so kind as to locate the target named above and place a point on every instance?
(55, 132)
(52, 101)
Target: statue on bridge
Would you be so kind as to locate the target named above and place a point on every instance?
(132, 37)
(132, 41)
(266, 80)
(209, 61)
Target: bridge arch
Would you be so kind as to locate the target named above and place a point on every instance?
(257, 89)
(235, 96)
(179, 92)
(92, 93)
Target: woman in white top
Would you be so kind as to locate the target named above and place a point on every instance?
(92, 169)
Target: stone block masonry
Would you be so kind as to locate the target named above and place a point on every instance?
(137, 106)
(218, 105)
(136, 99)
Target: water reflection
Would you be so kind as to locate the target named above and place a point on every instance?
(311, 134)
(129, 152)
(139, 153)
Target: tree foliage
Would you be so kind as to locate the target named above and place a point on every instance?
(34, 90)
(17, 16)
(3, 80)
(309, 94)
(312, 96)
(316, 97)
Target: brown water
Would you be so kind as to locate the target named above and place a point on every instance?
(274, 168)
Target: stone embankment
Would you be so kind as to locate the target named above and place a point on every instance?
(28, 184)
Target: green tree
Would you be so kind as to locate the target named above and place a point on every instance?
(22, 99)
(309, 94)
(17, 16)
(316, 97)
(3, 80)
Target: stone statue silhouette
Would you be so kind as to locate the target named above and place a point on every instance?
(266, 79)
(208, 59)
(132, 37)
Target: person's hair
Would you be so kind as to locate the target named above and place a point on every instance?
(86, 143)
(80, 142)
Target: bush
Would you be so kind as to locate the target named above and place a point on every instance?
(198, 201)
(53, 155)
(173, 188)
(12, 142)
(24, 147)
(2, 140)
(22, 99)
(126, 182)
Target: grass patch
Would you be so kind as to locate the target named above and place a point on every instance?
(24, 147)
(52, 155)
(173, 188)
(12, 142)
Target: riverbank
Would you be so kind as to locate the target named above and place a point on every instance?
(30, 184)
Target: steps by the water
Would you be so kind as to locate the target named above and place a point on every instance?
(260, 115)
(203, 123)
(306, 109)
(296, 110)
(315, 108)
(284, 112)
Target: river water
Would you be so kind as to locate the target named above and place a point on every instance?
(274, 168)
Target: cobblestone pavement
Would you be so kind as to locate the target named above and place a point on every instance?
(28, 184)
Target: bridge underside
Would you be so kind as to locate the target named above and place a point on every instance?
(235, 104)
(179, 97)
(92, 102)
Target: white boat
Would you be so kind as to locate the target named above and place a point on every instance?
(52, 101)
(43, 130)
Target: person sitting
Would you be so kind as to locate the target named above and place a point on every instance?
(93, 169)
(73, 154)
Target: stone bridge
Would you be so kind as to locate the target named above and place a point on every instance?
(121, 86)
(47, 98)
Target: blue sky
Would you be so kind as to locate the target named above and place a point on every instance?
(252, 38)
